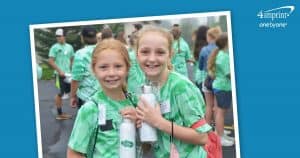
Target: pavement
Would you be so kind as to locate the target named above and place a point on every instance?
(56, 133)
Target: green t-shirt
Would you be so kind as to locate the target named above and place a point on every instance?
(81, 72)
(136, 76)
(199, 75)
(222, 82)
(107, 142)
(182, 53)
(182, 102)
(62, 54)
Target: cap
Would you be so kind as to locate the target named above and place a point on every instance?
(59, 32)
(88, 32)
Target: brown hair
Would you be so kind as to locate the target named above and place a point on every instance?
(200, 40)
(221, 42)
(163, 33)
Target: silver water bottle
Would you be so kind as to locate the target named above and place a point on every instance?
(147, 132)
(127, 139)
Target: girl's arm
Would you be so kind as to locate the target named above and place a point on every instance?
(153, 117)
(73, 154)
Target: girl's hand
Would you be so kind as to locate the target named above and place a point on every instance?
(130, 113)
(145, 112)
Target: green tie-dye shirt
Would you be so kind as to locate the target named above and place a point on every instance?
(199, 75)
(107, 142)
(186, 108)
(182, 53)
(222, 82)
(62, 54)
(81, 72)
(136, 76)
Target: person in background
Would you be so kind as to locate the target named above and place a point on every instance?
(211, 36)
(99, 36)
(182, 53)
(60, 59)
(199, 43)
(106, 32)
(84, 84)
(219, 68)
(39, 71)
(136, 76)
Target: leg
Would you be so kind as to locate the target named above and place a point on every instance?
(58, 100)
(209, 99)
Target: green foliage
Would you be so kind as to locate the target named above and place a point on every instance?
(47, 72)
(45, 38)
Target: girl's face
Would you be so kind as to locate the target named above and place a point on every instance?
(110, 69)
(153, 55)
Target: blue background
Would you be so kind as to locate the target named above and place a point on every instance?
(266, 68)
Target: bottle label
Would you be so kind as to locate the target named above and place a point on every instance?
(127, 143)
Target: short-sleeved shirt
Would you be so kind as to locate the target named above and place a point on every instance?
(62, 54)
(204, 55)
(107, 142)
(186, 108)
(182, 53)
(81, 72)
(136, 76)
(199, 75)
(222, 82)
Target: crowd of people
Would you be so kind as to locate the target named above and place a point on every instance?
(100, 76)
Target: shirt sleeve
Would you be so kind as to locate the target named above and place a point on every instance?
(72, 51)
(78, 68)
(192, 109)
(52, 52)
(85, 123)
(225, 67)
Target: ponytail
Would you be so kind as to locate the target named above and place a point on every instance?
(211, 63)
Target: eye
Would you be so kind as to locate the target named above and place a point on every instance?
(161, 52)
(102, 66)
(119, 66)
(144, 51)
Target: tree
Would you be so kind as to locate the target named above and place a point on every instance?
(45, 38)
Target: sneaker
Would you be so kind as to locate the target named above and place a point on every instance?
(63, 116)
(226, 142)
(65, 96)
(227, 132)
(229, 138)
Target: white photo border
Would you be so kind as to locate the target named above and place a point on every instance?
(127, 20)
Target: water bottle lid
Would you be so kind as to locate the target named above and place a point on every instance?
(147, 89)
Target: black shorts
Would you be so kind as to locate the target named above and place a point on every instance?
(63, 86)
(224, 99)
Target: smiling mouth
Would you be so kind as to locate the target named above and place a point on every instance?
(151, 66)
(111, 81)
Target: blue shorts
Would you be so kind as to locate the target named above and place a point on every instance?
(224, 98)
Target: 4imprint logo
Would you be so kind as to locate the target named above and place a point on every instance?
(276, 17)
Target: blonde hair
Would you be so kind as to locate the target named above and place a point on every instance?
(214, 32)
(164, 33)
(114, 45)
